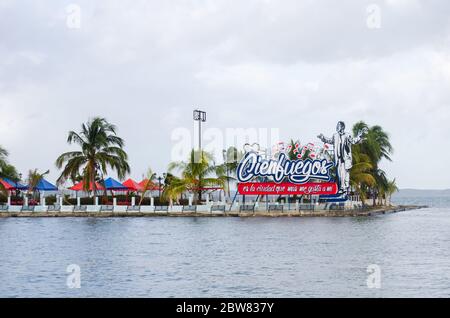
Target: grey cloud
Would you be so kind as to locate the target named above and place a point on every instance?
(296, 65)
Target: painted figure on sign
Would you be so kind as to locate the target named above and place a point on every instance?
(343, 160)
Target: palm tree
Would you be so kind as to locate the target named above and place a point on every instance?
(376, 146)
(101, 149)
(7, 170)
(196, 174)
(376, 143)
(391, 189)
(381, 185)
(360, 174)
(149, 184)
(34, 177)
(173, 188)
(3, 156)
(227, 171)
(10, 172)
(3, 163)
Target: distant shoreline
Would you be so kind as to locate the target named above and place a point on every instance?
(407, 193)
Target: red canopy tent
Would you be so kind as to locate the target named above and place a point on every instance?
(6, 185)
(80, 187)
(133, 185)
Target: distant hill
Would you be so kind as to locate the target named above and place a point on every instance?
(422, 193)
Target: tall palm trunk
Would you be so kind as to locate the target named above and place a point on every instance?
(199, 196)
(94, 185)
(199, 190)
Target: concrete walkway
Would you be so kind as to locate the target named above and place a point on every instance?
(291, 213)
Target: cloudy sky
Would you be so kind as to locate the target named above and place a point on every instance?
(299, 66)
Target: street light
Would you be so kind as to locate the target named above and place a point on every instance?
(199, 116)
(160, 184)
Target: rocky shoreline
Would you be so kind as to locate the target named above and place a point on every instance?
(292, 213)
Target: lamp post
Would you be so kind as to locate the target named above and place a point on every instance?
(159, 188)
(199, 116)
(160, 179)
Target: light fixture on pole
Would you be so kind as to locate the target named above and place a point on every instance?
(160, 183)
(199, 116)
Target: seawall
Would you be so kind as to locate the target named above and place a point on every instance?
(291, 213)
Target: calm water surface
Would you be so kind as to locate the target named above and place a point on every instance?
(228, 257)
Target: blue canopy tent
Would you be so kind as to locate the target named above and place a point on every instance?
(16, 185)
(114, 185)
(44, 185)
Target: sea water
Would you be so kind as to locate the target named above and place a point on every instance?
(229, 257)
